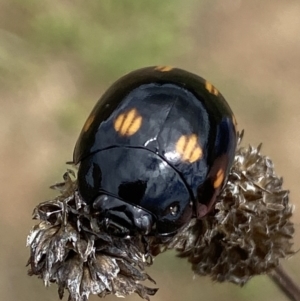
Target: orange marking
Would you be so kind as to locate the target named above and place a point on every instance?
(163, 68)
(180, 145)
(118, 122)
(219, 178)
(134, 127)
(188, 148)
(88, 123)
(211, 89)
(197, 154)
(128, 123)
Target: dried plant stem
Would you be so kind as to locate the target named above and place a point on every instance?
(286, 283)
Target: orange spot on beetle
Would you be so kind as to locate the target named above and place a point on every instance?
(211, 89)
(188, 148)
(88, 123)
(219, 178)
(128, 123)
(163, 68)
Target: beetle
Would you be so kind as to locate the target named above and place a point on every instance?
(155, 151)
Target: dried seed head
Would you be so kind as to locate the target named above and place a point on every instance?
(250, 229)
(69, 248)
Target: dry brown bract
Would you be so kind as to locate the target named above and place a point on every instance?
(247, 234)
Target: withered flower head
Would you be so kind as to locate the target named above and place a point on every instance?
(247, 234)
(250, 229)
(69, 248)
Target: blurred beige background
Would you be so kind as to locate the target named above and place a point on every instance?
(56, 59)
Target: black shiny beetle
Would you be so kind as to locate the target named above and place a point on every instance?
(156, 150)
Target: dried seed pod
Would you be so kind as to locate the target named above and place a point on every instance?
(69, 248)
(250, 228)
